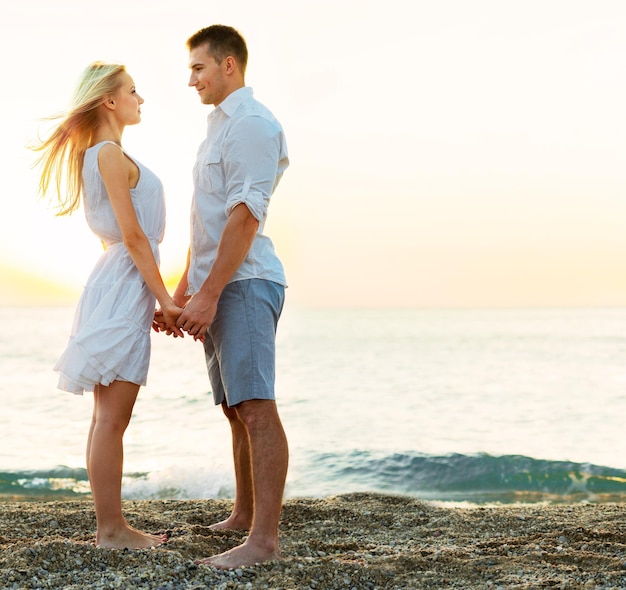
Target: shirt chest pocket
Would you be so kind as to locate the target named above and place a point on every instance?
(209, 172)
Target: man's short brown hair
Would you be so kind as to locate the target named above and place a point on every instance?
(222, 41)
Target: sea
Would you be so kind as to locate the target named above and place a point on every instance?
(457, 406)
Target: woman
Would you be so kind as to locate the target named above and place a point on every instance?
(109, 347)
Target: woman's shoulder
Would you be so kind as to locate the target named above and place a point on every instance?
(109, 155)
(93, 153)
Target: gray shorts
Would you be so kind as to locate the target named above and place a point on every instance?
(240, 343)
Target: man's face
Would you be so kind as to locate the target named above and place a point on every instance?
(207, 76)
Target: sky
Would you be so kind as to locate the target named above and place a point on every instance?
(443, 154)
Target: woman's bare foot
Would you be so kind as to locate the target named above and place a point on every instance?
(129, 538)
(244, 555)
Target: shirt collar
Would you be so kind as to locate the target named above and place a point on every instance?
(231, 103)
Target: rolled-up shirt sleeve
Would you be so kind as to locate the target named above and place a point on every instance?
(252, 154)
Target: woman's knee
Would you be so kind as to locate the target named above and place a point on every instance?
(111, 424)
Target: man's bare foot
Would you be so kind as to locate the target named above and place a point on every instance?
(129, 538)
(233, 523)
(244, 555)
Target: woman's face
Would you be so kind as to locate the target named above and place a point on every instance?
(127, 101)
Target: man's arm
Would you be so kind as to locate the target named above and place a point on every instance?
(180, 296)
(235, 243)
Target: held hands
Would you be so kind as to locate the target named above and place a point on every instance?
(165, 321)
(195, 318)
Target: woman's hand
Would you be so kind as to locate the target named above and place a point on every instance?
(165, 320)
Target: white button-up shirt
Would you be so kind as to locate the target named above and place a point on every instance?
(241, 161)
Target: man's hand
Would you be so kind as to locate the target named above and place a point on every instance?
(197, 316)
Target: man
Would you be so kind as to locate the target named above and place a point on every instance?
(233, 289)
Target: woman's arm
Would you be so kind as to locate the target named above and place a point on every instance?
(180, 298)
(115, 168)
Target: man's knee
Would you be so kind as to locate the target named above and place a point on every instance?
(257, 413)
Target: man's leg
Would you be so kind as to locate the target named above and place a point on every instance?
(270, 456)
(243, 508)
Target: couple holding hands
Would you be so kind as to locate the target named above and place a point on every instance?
(230, 296)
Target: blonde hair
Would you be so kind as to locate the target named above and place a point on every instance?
(64, 150)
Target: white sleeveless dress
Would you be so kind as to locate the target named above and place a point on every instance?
(110, 337)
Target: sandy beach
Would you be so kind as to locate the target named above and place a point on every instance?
(362, 541)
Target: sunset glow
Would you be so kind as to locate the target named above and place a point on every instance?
(442, 154)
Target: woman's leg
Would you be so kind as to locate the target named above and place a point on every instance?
(113, 406)
(90, 436)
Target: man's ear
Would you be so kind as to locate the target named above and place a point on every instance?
(231, 64)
